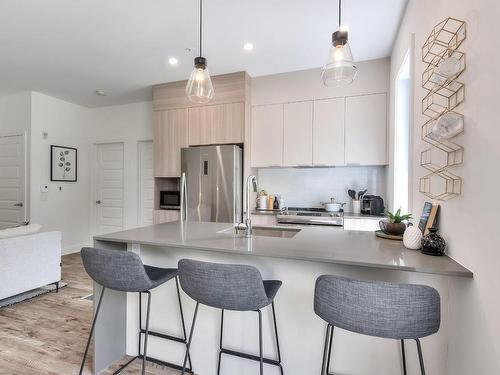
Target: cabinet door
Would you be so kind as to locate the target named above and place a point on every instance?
(366, 130)
(365, 225)
(165, 216)
(233, 125)
(297, 134)
(203, 122)
(328, 132)
(217, 124)
(170, 135)
(267, 136)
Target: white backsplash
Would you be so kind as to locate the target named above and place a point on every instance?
(308, 187)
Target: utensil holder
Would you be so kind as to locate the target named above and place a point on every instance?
(356, 207)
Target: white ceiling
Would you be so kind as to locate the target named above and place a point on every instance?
(70, 48)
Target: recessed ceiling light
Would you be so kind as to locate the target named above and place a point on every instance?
(173, 61)
(101, 92)
(248, 46)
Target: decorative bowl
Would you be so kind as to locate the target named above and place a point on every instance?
(396, 229)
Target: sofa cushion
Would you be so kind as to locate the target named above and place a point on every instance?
(23, 230)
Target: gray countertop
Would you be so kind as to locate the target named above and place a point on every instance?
(317, 244)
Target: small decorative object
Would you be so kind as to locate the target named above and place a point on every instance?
(412, 238)
(445, 65)
(429, 217)
(382, 234)
(394, 225)
(63, 163)
(433, 243)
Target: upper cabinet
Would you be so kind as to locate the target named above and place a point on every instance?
(366, 130)
(328, 132)
(181, 123)
(297, 134)
(217, 124)
(267, 136)
(170, 132)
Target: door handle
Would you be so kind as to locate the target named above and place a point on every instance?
(20, 204)
(184, 197)
(98, 202)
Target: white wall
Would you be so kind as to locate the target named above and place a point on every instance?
(65, 207)
(470, 222)
(129, 124)
(70, 208)
(308, 187)
(15, 113)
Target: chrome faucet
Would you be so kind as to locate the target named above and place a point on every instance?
(247, 224)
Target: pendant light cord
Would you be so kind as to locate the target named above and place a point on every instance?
(340, 13)
(201, 26)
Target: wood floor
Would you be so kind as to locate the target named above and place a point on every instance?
(47, 335)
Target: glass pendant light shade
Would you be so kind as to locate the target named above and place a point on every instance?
(199, 88)
(339, 69)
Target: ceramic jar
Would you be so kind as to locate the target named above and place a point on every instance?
(433, 243)
(412, 238)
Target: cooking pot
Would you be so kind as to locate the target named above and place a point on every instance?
(332, 206)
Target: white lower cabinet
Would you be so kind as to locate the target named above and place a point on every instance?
(366, 225)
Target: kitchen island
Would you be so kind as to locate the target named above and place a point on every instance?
(297, 256)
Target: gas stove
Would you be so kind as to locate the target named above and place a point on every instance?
(310, 216)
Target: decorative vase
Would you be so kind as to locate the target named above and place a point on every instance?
(433, 243)
(412, 238)
(395, 229)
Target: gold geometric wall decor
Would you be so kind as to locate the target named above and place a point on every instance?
(445, 64)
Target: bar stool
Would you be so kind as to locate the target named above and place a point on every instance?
(381, 309)
(124, 271)
(230, 287)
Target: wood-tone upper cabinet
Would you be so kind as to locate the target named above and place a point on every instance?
(366, 130)
(217, 124)
(297, 134)
(328, 132)
(267, 136)
(170, 135)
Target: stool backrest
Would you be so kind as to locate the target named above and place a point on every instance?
(223, 286)
(382, 309)
(117, 270)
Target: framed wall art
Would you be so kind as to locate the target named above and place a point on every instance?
(63, 163)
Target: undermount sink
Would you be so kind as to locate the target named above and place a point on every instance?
(263, 231)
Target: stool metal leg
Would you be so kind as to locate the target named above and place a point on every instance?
(420, 357)
(261, 350)
(92, 330)
(220, 341)
(190, 338)
(277, 340)
(146, 334)
(182, 320)
(404, 356)
(327, 350)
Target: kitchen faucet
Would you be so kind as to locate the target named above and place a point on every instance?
(247, 224)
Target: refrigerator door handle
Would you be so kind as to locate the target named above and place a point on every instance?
(184, 197)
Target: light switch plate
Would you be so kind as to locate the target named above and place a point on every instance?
(44, 188)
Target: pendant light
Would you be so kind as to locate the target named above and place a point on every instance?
(199, 88)
(339, 69)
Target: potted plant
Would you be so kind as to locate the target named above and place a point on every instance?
(395, 223)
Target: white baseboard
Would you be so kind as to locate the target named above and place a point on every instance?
(71, 249)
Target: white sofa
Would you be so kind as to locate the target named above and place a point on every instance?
(28, 262)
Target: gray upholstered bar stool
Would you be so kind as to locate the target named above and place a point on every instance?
(124, 271)
(381, 309)
(230, 287)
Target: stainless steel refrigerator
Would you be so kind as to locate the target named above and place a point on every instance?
(211, 183)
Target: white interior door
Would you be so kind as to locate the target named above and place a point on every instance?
(12, 181)
(108, 193)
(146, 183)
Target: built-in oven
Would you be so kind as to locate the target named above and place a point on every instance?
(170, 199)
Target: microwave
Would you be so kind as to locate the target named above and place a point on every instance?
(170, 200)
